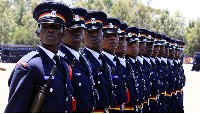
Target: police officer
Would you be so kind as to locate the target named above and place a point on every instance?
(156, 66)
(110, 42)
(174, 75)
(152, 73)
(82, 79)
(34, 69)
(162, 73)
(135, 82)
(93, 37)
(171, 77)
(168, 74)
(126, 69)
(180, 107)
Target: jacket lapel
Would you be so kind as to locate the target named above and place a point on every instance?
(48, 64)
(70, 57)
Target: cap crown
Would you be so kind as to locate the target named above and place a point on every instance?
(53, 12)
(112, 24)
(79, 15)
(95, 19)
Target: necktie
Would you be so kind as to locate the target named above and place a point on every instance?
(56, 58)
(104, 65)
(118, 64)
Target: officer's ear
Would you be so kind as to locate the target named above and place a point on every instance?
(38, 31)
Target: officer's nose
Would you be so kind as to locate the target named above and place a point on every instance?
(121, 41)
(76, 34)
(51, 30)
(112, 38)
(94, 35)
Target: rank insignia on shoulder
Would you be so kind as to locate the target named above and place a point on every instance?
(113, 77)
(47, 77)
(77, 74)
(22, 62)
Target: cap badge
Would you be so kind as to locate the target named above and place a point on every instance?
(139, 35)
(129, 34)
(77, 18)
(111, 25)
(119, 30)
(93, 21)
(53, 13)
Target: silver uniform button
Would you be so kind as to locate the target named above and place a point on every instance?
(67, 99)
(51, 89)
(66, 85)
(79, 84)
(99, 82)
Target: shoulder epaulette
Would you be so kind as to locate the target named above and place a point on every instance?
(24, 60)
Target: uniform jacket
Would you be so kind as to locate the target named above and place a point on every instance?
(152, 78)
(81, 81)
(118, 83)
(102, 79)
(158, 73)
(146, 80)
(136, 81)
(32, 72)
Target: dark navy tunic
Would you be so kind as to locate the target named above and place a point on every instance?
(32, 71)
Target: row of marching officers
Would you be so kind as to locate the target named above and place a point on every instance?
(120, 69)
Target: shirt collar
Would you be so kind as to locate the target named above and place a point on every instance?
(122, 61)
(179, 61)
(159, 59)
(133, 60)
(154, 61)
(165, 60)
(171, 62)
(49, 53)
(111, 57)
(148, 60)
(75, 53)
(95, 54)
(176, 61)
(140, 59)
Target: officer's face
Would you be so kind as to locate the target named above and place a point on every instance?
(181, 52)
(171, 53)
(162, 50)
(166, 52)
(156, 50)
(110, 41)
(149, 48)
(177, 54)
(142, 46)
(132, 48)
(93, 38)
(121, 48)
(73, 37)
(50, 33)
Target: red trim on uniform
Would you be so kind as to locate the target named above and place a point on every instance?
(73, 104)
(98, 111)
(128, 96)
(21, 62)
(70, 71)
